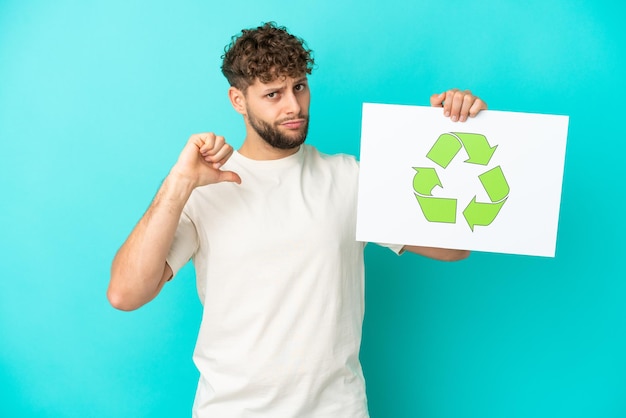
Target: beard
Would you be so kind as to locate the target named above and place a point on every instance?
(274, 137)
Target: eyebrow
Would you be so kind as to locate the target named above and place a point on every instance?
(282, 86)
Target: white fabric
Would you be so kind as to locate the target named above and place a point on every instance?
(281, 279)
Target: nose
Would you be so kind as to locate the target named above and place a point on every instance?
(292, 105)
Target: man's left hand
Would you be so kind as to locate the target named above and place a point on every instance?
(457, 104)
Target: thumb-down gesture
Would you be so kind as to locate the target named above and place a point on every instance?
(201, 159)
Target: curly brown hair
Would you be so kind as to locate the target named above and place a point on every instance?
(266, 53)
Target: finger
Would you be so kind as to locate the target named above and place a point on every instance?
(448, 102)
(457, 103)
(476, 107)
(208, 142)
(436, 100)
(211, 148)
(220, 158)
(199, 139)
(468, 101)
(196, 140)
(229, 176)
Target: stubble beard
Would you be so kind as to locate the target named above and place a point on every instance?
(271, 134)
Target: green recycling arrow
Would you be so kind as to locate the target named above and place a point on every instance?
(477, 147)
(495, 184)
(483, 214)
(449, 144)
(442, 153)
(435, 209)
(444, 150)
(438, 209)
(497, 188)
(425, 180)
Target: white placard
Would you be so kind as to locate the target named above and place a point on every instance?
(492, 183)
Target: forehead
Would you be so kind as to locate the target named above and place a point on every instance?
(280, 81)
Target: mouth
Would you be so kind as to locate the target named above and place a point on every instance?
(293, 124)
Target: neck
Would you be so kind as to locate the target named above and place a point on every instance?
(255, 148)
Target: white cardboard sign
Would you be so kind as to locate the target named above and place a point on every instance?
(492, 183)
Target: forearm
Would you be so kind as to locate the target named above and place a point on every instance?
(139, 268)
(442, 254)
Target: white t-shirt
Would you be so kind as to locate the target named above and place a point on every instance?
(281, 278)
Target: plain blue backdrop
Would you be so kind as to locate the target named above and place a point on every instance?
(98, 97)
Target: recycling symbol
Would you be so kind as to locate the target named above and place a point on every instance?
(443, 209)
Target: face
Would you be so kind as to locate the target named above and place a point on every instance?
(278, 111)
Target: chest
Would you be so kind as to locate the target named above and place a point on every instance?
(303, 212)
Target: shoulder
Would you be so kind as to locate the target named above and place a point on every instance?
(343, 162)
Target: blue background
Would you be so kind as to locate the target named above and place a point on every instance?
(98, 97)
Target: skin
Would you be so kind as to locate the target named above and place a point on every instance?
(139, 269)
(282, 103)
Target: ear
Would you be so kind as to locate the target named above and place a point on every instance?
(237, 99)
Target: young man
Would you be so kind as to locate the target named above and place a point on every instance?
(271, 231)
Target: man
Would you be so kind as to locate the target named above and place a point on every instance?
(271, 231)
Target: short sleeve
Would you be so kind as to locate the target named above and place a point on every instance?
(184, 245)
(396, 248)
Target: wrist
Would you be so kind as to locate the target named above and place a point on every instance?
(178, 185)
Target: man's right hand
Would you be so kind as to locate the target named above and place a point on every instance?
(201, 159)
(140, 268)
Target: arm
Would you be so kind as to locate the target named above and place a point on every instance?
(139, 269)
(441, 254)
(458, 106)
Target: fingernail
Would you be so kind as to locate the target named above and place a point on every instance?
(454, 118)
(446, 113)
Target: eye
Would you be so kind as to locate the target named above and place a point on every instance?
(272, 95)
(300, 87)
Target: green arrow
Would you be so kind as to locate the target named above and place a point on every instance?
(477, 147)
(425, 180)
(438, 209)
(482, 214)
(495, 184)
(444, 150)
